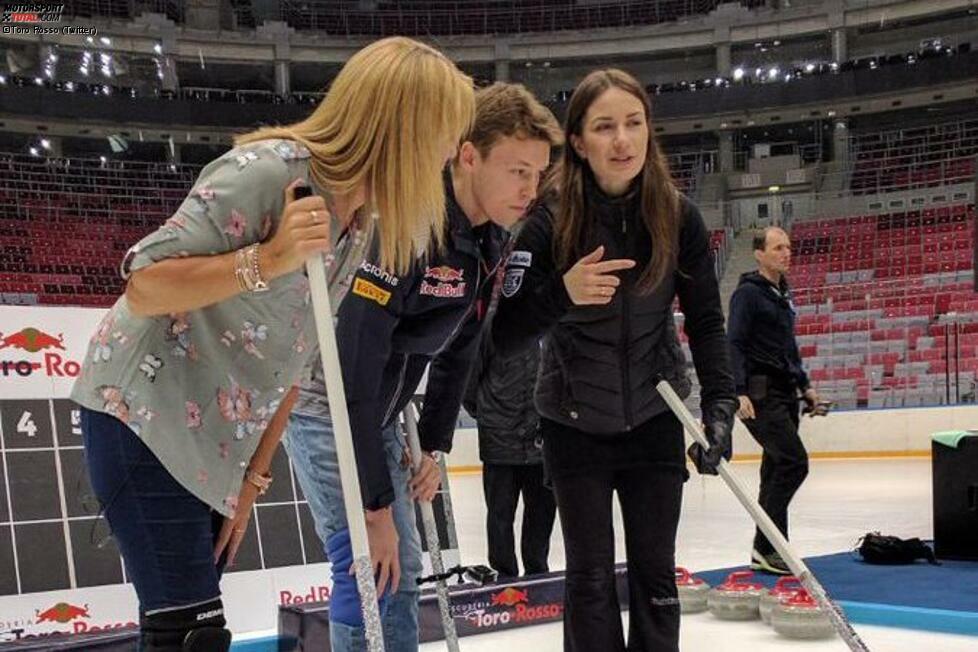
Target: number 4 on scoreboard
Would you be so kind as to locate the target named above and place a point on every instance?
(26, 424)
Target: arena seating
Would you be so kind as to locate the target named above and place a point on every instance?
(887, 312)
(688, 166)
(65, 224)
(887, 315)
(388, 18)
(920, 157)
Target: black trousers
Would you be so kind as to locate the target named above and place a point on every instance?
(503, 485)
(650, 499)
(784, 464)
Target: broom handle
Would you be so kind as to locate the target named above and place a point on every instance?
(349, 479)
(767, 526)
(431, 533)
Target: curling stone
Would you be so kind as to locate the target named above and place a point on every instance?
(692, 592)
(783, 588)
(800, 616)
(738, 598)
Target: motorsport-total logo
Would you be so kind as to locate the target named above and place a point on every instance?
(58, 619)
(29, 13)
(34, 341)
(511, 606)
(35, 18)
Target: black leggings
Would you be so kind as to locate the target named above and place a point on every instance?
(651, 499)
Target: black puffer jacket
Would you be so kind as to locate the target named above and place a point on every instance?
(600, 364)
(500, 398)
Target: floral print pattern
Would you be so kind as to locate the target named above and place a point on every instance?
(100, 345)
(115, 402)
(236, 224)
(193, 415)
(179, 331)
(251, 336)
(200, 387)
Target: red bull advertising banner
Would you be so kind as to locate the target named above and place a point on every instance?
(251, 601)
(42, 349)
(64, 613)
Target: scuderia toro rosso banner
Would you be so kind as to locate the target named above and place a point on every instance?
(42, 349)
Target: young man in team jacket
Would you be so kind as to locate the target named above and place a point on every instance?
(390, 329)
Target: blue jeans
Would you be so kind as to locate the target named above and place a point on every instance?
(165, 534)
(312, 448)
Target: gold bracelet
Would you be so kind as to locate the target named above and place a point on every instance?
(239, 270)
(247, 270)
(259, 284)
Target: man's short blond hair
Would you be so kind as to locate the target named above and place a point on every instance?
(503, 110)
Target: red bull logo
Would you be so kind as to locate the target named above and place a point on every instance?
(63, 612)
(510, 597)
(444, 274)
(316, 594)
(32, 340)
(443, 282)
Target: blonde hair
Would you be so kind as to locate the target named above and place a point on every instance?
(385, 123)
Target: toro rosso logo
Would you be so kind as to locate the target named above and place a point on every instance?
(32, 340)
(512, 605)
(62, 612)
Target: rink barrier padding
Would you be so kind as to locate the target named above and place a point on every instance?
(122, 640)
(476, 609)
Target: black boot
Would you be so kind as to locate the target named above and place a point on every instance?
(192, 629)
(208, 639)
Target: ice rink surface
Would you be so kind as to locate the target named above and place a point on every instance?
(840, 501)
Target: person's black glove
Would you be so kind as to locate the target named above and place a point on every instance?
(718, 420)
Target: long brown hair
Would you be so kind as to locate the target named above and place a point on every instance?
(384, 124)
(659, 196)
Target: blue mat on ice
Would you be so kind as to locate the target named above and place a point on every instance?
(917, 596)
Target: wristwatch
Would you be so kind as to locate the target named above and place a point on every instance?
(435, 455)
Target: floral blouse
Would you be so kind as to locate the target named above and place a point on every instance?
(200, 387)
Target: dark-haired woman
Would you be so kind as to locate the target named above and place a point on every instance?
(597, 270)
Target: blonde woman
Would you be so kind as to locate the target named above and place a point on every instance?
(187, 383)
